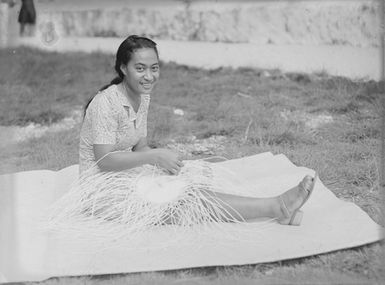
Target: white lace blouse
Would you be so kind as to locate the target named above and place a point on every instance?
(110, 119)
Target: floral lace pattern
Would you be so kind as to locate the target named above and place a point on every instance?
(111, 119)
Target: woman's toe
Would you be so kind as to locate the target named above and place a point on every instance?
(308, 180)
(306, 185)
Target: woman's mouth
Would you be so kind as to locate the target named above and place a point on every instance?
(147, 85)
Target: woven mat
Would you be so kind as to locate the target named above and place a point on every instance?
(28, 253)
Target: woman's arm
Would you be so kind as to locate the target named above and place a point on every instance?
(118, 161)
(121, 160)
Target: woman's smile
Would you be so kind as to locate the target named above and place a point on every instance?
(147, 85)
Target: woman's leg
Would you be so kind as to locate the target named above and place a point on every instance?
(242, 208)
(247, 208)
(231, 208)
(22, 28)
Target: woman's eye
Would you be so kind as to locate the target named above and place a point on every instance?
(139, 68)
(155, 68)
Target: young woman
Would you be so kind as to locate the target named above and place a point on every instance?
(113, 141)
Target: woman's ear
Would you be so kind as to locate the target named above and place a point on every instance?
(123, 68)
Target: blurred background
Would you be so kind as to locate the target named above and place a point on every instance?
(309, 22)
(340, 37)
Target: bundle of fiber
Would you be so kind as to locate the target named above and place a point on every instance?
(128, 203)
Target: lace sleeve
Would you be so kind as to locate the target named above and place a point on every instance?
(104, 121)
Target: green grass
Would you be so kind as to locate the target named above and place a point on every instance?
(42, 89)
(245, 106)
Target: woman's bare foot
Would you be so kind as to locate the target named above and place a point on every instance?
(292, 200)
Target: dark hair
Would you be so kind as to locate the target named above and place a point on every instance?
(123, 56)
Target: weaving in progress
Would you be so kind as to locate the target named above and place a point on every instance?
(31, 252)
(133, 201)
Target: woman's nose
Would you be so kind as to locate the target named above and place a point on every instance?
(148, 75)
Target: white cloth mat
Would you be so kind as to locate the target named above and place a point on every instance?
(29, 254)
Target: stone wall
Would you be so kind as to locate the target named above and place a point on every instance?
(354, 23)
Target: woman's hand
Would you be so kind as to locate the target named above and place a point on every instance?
(168, 160)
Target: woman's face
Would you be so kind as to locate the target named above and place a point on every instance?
(142, 71)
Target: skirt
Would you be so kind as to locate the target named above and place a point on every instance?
(27, 13)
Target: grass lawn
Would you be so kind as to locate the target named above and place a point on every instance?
(325, 123)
